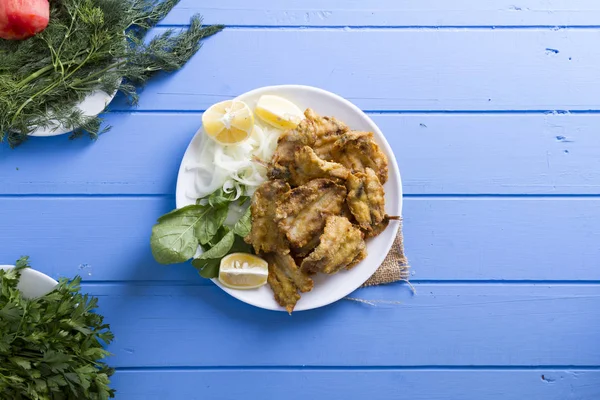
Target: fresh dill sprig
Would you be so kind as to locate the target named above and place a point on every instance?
(89, 45)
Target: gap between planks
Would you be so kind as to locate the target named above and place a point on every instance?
(351, 27)
(428, 196)
(415, 282)
(363, 368)
(382, 112)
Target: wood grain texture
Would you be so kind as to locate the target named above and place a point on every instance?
(108, 239)
(382, 69)
(359, 384)
(443, 325)
(390, 12)
(501, 220)
(437, 154)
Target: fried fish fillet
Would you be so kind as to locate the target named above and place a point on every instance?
(319, 133)
(301, 212)
(286, 280)
(308, 166)
(366, 199)
(287, 145)
(328, 130)
(379, 228)
(265, 235)
(357, 151)
(341, 245)
(359, 257)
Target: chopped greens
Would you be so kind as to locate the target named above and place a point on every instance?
(51, 347)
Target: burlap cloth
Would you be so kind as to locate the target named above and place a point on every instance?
(395, 266)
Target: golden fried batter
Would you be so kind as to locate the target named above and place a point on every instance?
(307, 248)
(336, 200)
(309, 166)
(319, 133)
(378, 229)
(366, 199)
(358, 151)
(340, 246)
(328, 131)
(359, 257)
(265, 235)
(301, 212)
(286, 279)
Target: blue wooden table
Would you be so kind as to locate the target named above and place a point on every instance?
(493, 111)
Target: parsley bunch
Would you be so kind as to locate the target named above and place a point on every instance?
(50, 346)
(89, 45)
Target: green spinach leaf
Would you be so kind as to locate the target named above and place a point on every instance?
(243, 226)
(220, 249)
(209, 267)
(174, 238)
(207, 228)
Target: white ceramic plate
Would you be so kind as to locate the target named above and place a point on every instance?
(91, 106)
(327, 289)
(33, 283)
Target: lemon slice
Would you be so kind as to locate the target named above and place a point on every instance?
(243, 271)
(278, 112)
(228, 122)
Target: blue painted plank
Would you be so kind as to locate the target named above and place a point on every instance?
(381, 69)
(140, 155)
(107, 239)
(514, 238)
(358, 384)
(390, 12)
(442, 325)
(437, 154)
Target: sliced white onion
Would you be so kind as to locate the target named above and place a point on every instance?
(230, 167)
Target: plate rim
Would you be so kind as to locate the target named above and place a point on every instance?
(61, 130)
(30, 273)
(392, 163)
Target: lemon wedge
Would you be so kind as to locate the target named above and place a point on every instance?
(243, 271)
(278, 112)
(228, 122)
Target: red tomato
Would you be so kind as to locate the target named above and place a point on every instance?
(20, 19)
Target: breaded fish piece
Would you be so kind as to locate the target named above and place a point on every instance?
(301, 212)
(319, 133)
(328, 130)
(286, 280)
(340, 245)
(359, 257)
(379, 228)
(309, 166)
(366, 199)
(357, 151)
(287, 145)
(265, 235)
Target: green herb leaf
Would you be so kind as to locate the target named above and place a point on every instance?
(240, 246)
(243, 226)
(220, 198)
(89, 45)
(220, 249)
(177, 235)
(208, 263)
(208, 227)
(54, 350)
(208, 269)
(174, 238)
